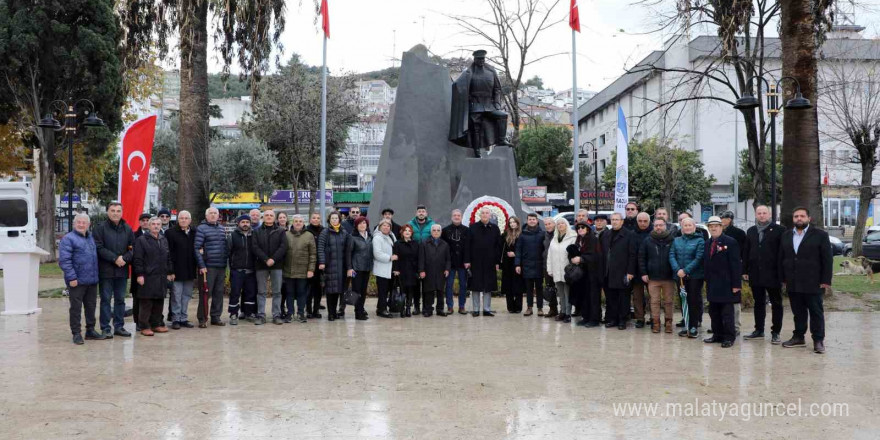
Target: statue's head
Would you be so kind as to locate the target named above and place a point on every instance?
(479, 58)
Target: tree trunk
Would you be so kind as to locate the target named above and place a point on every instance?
(46, 204)
(866, 194)
(800, 127)
(192, 191)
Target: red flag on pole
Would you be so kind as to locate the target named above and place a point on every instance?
(574, 19)
(325, 19)
(825, 179)
(134, 167)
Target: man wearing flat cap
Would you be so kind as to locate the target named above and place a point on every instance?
(477, 119)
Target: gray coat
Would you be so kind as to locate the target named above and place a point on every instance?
(434, 259)
(331, 253)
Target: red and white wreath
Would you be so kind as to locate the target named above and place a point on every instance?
(500, 209)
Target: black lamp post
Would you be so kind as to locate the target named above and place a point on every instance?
(70, 128)
(750, 102)
(584, 155)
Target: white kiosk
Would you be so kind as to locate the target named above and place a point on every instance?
(19, 254)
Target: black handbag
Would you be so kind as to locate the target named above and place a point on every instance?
(398, 298)
(351, 297)
(573, 273)
(550, 293)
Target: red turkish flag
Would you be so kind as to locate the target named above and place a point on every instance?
(574, 18)
(325, 19)
(134, 168)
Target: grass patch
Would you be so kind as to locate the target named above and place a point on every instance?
(51, 270)
(51, 293)
(857, 285)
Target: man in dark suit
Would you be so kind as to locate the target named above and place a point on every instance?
(619, 248)
(723, 267)
(761, 270)
(805, 260)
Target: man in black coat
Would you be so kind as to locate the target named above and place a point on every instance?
(269, 247)
(630, 221)
(458, 237)
(313, 304)
(722, 264)
(114, 242)
(485, 259)
(638, 288)
(181, 244)
(529, 261)
(152, 263)
(761, 270)
(597, 267)
(434, 266)
(740, 236)
(619, 248)
(242, 279)
(805, 260)
(143, 228)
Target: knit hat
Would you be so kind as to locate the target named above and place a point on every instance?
(242, 217)
(165, 211)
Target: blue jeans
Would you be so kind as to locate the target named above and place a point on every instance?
(180, 299)
(462, 287)
(112, 288)
(298, 289)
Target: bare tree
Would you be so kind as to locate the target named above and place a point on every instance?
(849, 103)
(511, 28)
(727, 72)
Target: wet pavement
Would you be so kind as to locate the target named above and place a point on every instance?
(457, 377)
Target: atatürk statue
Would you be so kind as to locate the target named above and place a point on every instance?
(477, 119)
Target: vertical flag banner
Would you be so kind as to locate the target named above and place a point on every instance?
(134, 167)
(574, 18)
(325, 19)
(575, 23)
(621, 188)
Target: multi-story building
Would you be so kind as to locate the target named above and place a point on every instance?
(656, 104)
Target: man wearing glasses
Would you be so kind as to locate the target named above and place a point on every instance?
(632, 210)
(353, 215)
(165, 218)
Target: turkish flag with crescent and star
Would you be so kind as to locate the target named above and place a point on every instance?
(134, 168)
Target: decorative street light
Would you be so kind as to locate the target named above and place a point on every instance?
(749, 102)
(584, 155)
(70, 131)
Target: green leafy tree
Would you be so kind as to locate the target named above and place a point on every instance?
(246, 164)
(661, 175)
(544, 152)
(59, 50)
(288, 118)
(535, 81)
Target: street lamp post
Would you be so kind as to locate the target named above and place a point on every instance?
(584, 155)
(70, 129)
(750, 102)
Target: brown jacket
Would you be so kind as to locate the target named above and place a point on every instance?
(302, 254)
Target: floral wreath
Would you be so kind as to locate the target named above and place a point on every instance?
(500, 209)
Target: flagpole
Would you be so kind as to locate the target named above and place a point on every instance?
(574, 116)
(323, 181)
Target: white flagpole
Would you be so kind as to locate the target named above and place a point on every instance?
(574, 116)
(323, 181)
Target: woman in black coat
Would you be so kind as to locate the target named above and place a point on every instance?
(406, 265)
(434, 266)
(589, 299)
(152, 264)
(331, 260)
(359, 261)
(512, 283)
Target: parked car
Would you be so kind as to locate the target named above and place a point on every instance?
(870, 247)
(837, 246)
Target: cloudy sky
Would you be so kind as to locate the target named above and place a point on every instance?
(365, 33)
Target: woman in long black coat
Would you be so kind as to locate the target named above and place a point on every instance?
(331, 260)
(512, 283)
(434, 266)
(485, 259)
(406, 266)
(153, 266)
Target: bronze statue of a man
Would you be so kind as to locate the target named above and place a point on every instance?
(477, 119)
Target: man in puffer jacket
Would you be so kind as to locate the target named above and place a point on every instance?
(78, 259)
(210, 250)
(269, 247)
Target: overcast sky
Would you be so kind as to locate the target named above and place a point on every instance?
(614, 34)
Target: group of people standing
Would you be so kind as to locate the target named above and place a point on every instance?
(640, 264)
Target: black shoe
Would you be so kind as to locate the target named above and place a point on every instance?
(122, 332)
(649, 322)
(591, 324)
(288, 319)
(233, 319)
(680, 323)
(441, 313)
(417, 310)
(683, 333)
(754, 335)
(727, 344)
(819, 347)
(793, 342)
(426, 314)
(320, 307)
(277, 321)
(302, 318)
(310, 316)
(774, 339)
(581, 323)
(567, 319)
(78, 339)
(218, 323)
(108, 334)
(693, 333)
(621, 326)
(610, 324)
(384, 314)
(186, 324)
(475, 314)
(331, 317)
(711, 340)
(340, 313)
(175, 326)
(92, 335)
(709, 331)
(361, 316)
(488, 314)
(640, 324)
(202, 324)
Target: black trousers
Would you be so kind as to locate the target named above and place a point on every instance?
(554, 302)
(590, 300)
(383, 289)
(332, 300)
(150, 312)
(285, 297)
(359, 285)
(760, 293)
(429, 297)
(617, 301)
(534, 288)
(314, 301)
(808, 306)
(694, 288)
(513, 292)
(82, 296)
(723, 326)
